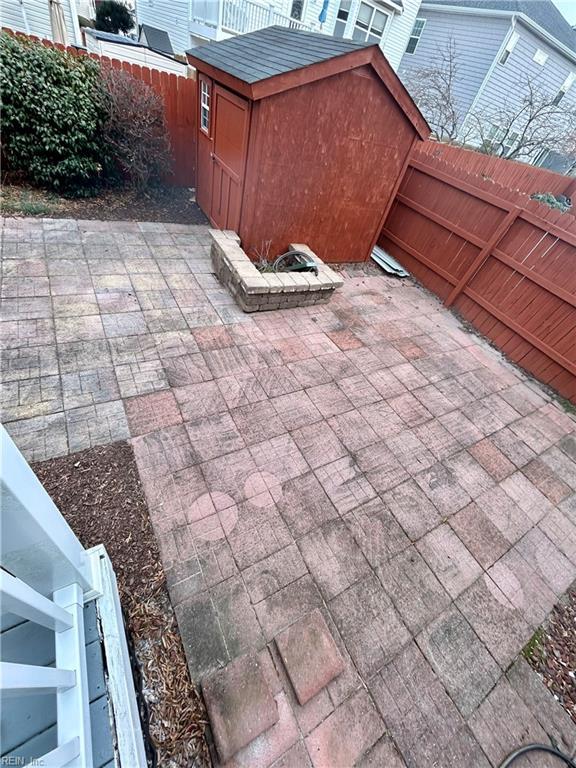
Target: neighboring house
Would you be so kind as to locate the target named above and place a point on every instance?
(194, 22)
(127, 49)
(388, 23)
(55, 20)
(500, 47)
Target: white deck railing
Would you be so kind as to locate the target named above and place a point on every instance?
(45, 572)
(46, 576)
(240, 16)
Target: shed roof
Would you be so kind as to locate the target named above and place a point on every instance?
(275, 59)
(272, 51)
(157, 39)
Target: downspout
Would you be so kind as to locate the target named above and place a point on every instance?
(25, 18)
(488, 74)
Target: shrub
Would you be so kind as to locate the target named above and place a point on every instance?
(135, 131)
(113, 16)
(52, 113)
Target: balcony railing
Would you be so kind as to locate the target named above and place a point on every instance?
(237, 17)
(241, 16)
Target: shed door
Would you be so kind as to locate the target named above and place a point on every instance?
(230, 141)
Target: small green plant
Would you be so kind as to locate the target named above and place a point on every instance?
(532, 648)
(559, 202)
(53, 110)
(262, 254)
(21, 202)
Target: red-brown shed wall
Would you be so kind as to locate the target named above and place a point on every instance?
(324, 160)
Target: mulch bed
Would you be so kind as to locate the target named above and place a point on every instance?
(99, 493)
(552, 652)
(174, 205)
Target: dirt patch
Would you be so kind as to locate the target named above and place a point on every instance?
(552, 652)
(165, 204)
(99, 493)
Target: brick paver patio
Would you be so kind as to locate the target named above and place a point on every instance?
(369, 459)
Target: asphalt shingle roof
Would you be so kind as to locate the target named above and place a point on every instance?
(543, 12)
(272, 51)
(157, 39)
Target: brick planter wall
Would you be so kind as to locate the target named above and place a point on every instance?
(255, 291)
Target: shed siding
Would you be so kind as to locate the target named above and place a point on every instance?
(170, 15)
(38, 16)
(507, 82)
(322, 162)
(477, 40)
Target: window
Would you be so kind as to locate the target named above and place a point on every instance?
(370, 24)
(541, 157)
(297, 9)
(415, 35)
(510, 45)
(540, 57)
(564, 88)
(204, 106)
(498, 137)
(342, 18)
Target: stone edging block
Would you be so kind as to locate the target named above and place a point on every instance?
(256, 291)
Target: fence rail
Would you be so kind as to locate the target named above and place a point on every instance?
(178, 94)
(505, 262)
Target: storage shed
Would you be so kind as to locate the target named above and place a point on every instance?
(302, 138)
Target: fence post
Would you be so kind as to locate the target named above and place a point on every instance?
(496, 236)
(570, 188)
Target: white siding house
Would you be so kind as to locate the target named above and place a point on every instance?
(194, 22)
(501, 51)
(36, 17)
(127, 49)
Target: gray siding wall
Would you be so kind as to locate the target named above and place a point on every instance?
(38, 17)
(170, 15)
(477, 41)
(507, 82)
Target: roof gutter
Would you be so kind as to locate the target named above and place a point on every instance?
(526, 20)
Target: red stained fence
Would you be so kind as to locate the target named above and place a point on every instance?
(509, 173)
(179, 96)
(505, 262)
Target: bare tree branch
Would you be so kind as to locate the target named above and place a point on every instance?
(433, 89)
(525, 121)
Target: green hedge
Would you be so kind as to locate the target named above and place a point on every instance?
(53, 112)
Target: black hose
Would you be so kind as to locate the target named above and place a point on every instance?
(538, 748)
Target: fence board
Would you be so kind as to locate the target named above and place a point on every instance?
(506, 262)
(520, 176)
(178, 94)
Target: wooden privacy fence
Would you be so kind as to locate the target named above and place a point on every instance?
(504, 261)
(509, 173)
(179, 96)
